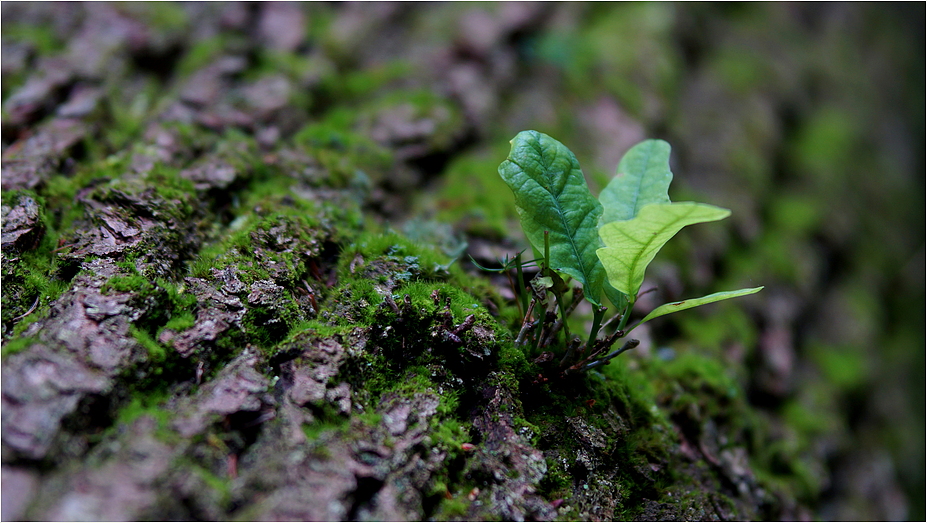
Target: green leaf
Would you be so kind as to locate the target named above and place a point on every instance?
(618, 298)
(551, 195)
(631, 245)
(669, 308)
(643, 177)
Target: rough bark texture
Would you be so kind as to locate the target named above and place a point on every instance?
(237, 278)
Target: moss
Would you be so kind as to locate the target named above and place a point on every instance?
(145, 405)
(169, 19)
(391, 257)
(277, 236)
(449, 433)
(16, 345)
(344, 155)
(354, 303)
(315, 430)
(267, 325)
(452, 508)
(61, 191)
(319, 329)
(135, 283)
(43, 38)
(446, 118)
(513, 362)
(177, 193)
(473, 196)
(203, 52)
(156, 351)
(350, 87)
(558, 482)
(462, 304)
(180, 321)
(34, 278)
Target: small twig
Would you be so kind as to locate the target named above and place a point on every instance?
(563, 316)
(28, 312)
(525, 324)
(609, 321)
(571, 350)
(612, 338)
(595, 352)
(628, 345)
(555, 329)
(520, 293)
(552, 332)
(600, 347)
(539, 333)
(577, 298)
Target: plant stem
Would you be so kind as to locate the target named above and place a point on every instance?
(628, 345)
(563, 316)
(546, 266)
(520, 283)
(626, 315)
(597, 316)
(545, 270)
(540, 327)
(571, 350)
(521, 310)
(520, 340)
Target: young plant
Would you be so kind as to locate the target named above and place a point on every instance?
(604, 244)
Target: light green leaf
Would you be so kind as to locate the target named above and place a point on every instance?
(631, 245)
(618, 298)
(551, 195)
(643, 177)
(669, 308)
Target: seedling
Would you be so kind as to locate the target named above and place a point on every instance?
(603, 244)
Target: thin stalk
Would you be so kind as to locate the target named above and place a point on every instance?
(577, 297)
(525, 324)
(552, 333)
(546, 267)
(521, 310)
(626, 315)
(563, 317)
(571, 350)
(540, 328)
(597, 316)
(522, 295)
(610, 321)
(628, 345)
